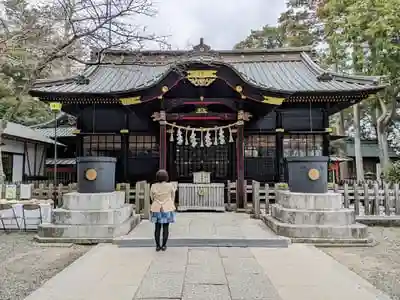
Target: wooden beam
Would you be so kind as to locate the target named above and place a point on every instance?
(200, 116)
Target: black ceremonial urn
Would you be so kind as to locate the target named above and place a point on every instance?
(96, 174)
(308, 174)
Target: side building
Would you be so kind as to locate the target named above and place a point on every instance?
(23, 153)
(236, 113)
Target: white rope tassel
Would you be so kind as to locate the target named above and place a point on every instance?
(221, 137)
(187, 136)
(179, 137)
(216, 137)
(193, 139)
(230, 135)
(207, 139)
(201, 139)
(171, 136)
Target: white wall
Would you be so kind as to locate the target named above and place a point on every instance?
(12, 146)
(18, 161)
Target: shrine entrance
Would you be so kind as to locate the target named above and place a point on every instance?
(219, 160)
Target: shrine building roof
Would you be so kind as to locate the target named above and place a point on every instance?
(291, 70)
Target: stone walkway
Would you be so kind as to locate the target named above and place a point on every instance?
(208, 229)
(297, 272)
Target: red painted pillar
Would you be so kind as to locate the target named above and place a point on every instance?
(163, 141)
(241, 200)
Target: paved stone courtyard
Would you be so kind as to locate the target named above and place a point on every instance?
(298, 272)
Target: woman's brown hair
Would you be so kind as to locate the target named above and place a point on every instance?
(162, 176)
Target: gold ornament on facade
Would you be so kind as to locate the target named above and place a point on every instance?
(130, 101)
(313, 174)
(201, 110)
(91, 174)
(201, 77)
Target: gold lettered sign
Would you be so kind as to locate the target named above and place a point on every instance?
(130, 100)
(55, 106)
(273, 100)
(313, 174)
(91, 174)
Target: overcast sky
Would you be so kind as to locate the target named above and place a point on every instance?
(222, 23)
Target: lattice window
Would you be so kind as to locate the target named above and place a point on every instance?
(302, 145)
(102, 145)
(259, 146)
(141, 145)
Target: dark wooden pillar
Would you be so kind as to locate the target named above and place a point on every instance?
(79, 137)
(279, 131)
(326, 136)
(125, 148)
(163, 141)
(241, 195)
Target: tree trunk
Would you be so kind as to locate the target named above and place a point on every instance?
(341, 130)
(3, 125)
(357, 143)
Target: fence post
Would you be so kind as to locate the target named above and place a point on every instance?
(138, 187)
(396, 199)
(60, 195)
(127, 188)
(256, 198)
(228, 195)
(376, 200)
(366, 200)
(266, 198)
(386, 198)
(146, 202)
(346, 196)
(356, 200)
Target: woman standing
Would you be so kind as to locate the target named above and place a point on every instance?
(162, 194)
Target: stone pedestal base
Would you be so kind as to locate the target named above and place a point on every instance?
(89, 218)
(315, 218)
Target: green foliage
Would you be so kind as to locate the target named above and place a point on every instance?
(268, 37)
(297, 26)
(30, 112)
(393, 175)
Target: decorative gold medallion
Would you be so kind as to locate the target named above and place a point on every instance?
(91, 174)
(313, 174)
(201, 77)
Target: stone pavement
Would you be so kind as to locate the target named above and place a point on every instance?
(298, 272)
(206, 230)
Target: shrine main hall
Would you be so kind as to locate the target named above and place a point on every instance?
(236, 114)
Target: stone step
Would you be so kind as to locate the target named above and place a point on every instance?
(354, 231)
(313, 217)
(66, 232)
(279, 242)
(63, 216)
(95, 201)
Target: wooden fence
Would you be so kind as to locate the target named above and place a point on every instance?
(138, 195)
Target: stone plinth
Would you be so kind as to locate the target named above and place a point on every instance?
(315, 218)
(89, 218)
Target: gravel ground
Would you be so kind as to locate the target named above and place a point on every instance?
(25, 265)
(380, 265)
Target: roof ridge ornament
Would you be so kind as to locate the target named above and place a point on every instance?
(81, 80)
(325, 76)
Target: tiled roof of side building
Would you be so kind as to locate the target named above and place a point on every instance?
(23, 132)
(61, 131)
(285, 69)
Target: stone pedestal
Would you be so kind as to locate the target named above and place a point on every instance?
(86, 218)
(315, 218)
